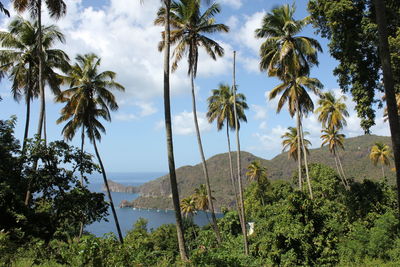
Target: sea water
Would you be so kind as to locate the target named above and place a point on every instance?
(128, 216)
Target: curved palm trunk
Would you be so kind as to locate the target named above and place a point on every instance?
(170, 147)
(204, 163)
(304, 150)
(344, 175)
(108, 192)
(231, 170)
(239, 176)
(389, 89)
(339, 172)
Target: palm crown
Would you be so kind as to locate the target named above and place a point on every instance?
(88, 97)
(188, 31)
(332, 111)
(290, 142)
(333, 139)
(221, 107)
(380, 153)
(283, 53)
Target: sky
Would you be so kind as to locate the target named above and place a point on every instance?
(122, 33)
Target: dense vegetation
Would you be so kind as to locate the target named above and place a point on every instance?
(346, 227)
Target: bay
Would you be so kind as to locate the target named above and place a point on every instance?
(128, 216)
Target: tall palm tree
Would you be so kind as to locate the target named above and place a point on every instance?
(19, 58)
(168, 129)
(289, 57)
(381, 153)
(334, 140)
(290, 143)
(220, 108)
(332, 111)
(56, 8)
(188, 34)
(87, 100)
(294, 93)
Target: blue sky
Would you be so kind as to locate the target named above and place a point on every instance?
(122, 33)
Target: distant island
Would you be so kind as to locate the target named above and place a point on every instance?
(116, 187)
(156, 194)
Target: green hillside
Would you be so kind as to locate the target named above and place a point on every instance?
(156, 194)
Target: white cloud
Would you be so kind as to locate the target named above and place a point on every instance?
(232, 22)
(271, 141)
(142, 109)
(125, 116)
(245, 35)
(183, 124)
(260, 112)
(263, 125)
(232, 3)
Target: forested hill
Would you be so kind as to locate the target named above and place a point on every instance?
(355, 160)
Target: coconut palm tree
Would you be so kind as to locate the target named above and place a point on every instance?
(284, 51)
(290, 143)
(258, 173)
(380, 153)
(19, 59)
(188, 34)
(334, 140)
(220, 108)
(332, 111)
(87, 100)
(168, 128)
(56, 8)
(188, 206)
(289, 57)
(294, 93)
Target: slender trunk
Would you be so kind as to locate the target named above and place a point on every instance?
(339, 172)
(231, 170)
(170, 147)
(383, 172)
(239, 176)
(28, 114)
(82, 224)
(121, 239)
(203, 159)
(40, 78)
(389, 89)
(299, 153)
(344, 175)
(304, 151)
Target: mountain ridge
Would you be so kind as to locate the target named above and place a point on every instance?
(156, 194)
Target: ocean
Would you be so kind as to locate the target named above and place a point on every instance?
(128, 216)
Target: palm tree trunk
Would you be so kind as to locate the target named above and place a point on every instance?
(299, 154)
(239, 176)
(41, 87)
(28, 115)
(121, 239)
(304, 151)
(170, 147)
(344, 175)
(383, 172)
(231, 169)
(389, 89)
(339, 172)
(203, 159)
(82, 224)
